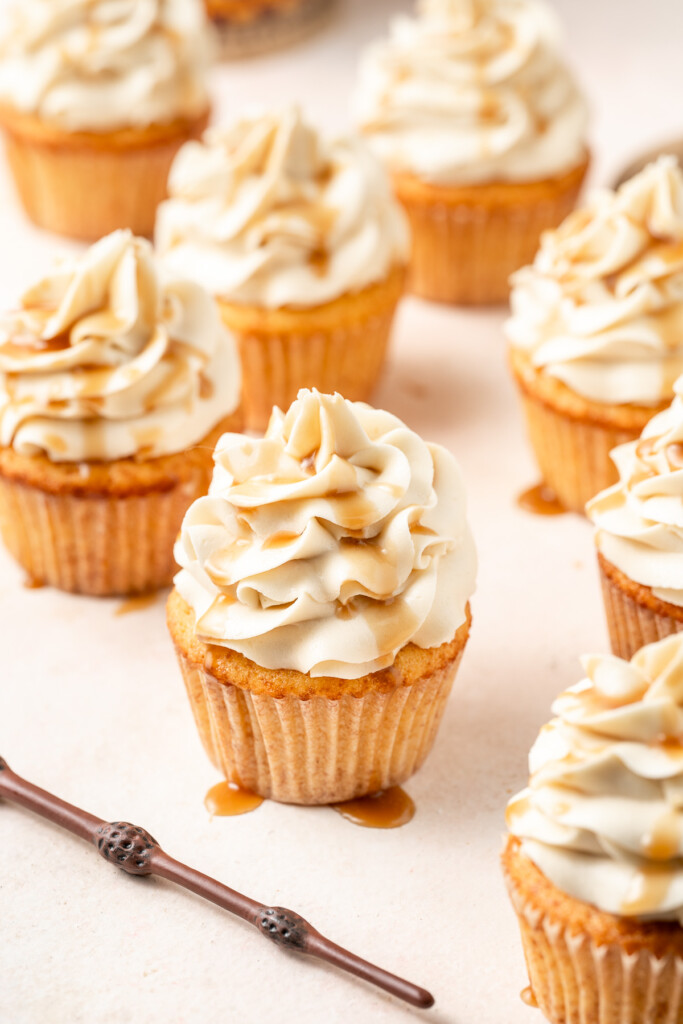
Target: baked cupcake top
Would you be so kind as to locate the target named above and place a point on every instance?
(640, 519)
(271, 214)
(105, 358)
(601, 309)
(472, 91)
(100, 65)
(602, 816)
(330, 544)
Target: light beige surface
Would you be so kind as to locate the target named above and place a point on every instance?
(92, 705)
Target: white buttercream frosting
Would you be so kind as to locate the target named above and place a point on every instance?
(640, 518)
(99, 65)
(601, 309)
(107, 358)
(270, 213)
(330, 544)
(602, 816)
(472, 91)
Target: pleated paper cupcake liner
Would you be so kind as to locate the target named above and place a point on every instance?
(464, 253)
(317, 750)
(632, 624)
(98, 545)
(86, 190)
(275, 365)
(576, 981)
(272, 29)
(573, 455)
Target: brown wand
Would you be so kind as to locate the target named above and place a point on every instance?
(134, 850)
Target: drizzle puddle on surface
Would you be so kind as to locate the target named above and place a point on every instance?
(540, 501)
(227, 799)
(137, 603)
(528, 998)
(30, 583)
(389, 809)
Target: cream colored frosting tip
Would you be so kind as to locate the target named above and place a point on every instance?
(268, 212)
(104, 65)
(330, 544)
(640, 519)
(601, 309)
(472, 91)
(108, 357)
(602, 816)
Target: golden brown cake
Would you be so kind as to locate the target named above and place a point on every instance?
(572, 436)
(468, 239)
(596, 332)
(115, 386)
(94, 107)
(303, 244)
(482, 127)
(635, 616)
(250, 27)
(593, 862)
(322, 606)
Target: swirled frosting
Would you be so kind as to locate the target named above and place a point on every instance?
(472, 91)
(602, 816)
(271, 214)
(99, 66)
(640, 519)
(330, 544)
(601, 309)
(105, 359)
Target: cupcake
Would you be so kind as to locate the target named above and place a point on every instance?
(301, 241)
(250, 27)
(483, 129)
(639, 534)
(115, 384)
(593, 861)
(596, 333)
(96, 98)
(322, 606)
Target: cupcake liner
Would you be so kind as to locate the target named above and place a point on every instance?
(346, 356)
(85, 186)
(98, 545)
(631, 623)
(272, 29)
(466, 246)
(577, 981)
(317, 750)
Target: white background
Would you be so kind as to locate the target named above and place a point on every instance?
(92, 705)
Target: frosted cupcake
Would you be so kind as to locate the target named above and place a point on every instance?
(96, 97)
(249, 27)
(640, 534)
(322, 606)
(594, 861)
(115, 384)
(596, 334)
(301, 241)
(472, 109)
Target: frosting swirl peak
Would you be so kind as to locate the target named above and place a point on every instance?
(601, 309)
(104, 65)
(106, 359)
(472, 91)
(603, 814)
(330, 544)
(275, 215)
(640, 518)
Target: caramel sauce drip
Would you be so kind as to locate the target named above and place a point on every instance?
(31, 583)
(653, 886)
(528, 998)
(541, 501)
(227, 799)
(280, 539)
(136, 603)
(389, 809)
(664, 841)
